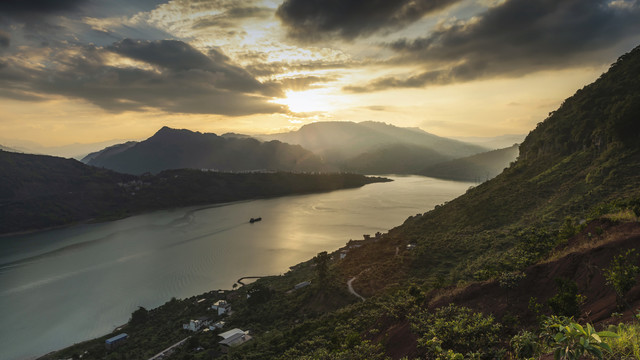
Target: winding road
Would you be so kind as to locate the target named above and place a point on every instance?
(350, 287)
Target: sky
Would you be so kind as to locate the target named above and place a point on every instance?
(83, 71)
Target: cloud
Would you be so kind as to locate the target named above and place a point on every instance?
(5, 39)
(303, 82)
(515, 38)
(314, 20)
(38, 6)
(230, 17)
(176, 78)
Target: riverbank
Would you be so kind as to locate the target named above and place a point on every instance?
(53, 192)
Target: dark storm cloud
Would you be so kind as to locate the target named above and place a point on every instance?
(5, 40)
(38, 6)
(313, 20)
(179, 57)
(181, 79)
(230, 17)
(516, 38)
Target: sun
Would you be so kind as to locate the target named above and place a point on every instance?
(307, 101)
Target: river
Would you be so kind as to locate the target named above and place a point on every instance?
(64, 286)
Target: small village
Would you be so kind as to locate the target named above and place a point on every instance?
(215, 308)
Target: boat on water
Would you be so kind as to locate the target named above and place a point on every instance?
(255, 219)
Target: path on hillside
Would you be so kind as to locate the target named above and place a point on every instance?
(350, 287)
(168, 351)
(350, 284)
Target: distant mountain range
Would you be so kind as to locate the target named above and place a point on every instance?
(177, 149)
(342, 141)
(5, 148)
(366, 147)
(479, 168)
(493, 142)
(76, 150)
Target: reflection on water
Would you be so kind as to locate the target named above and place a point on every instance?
(65, 286)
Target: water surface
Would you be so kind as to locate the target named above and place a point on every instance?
(63, 286)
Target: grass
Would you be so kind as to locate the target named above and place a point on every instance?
(627, 346)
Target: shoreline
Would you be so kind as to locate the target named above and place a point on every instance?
(97, 220)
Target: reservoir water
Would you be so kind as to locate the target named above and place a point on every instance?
(64, 286)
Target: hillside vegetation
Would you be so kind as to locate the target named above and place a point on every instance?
(478, 168)
(43, 191)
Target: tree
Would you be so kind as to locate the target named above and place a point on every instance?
(567, 301)
(322, 265)
(258, 294)
(621, 274)
(139, 316)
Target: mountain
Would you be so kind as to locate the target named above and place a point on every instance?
(493, 142)
(393, 159)
(480, 167)
(343, 141)
(5, 148)
(38, 191)
(175, 149)
(107, 152)
(76, 150)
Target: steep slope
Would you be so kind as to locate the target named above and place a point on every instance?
(478, 168)
(107, 152)
(4, 148)
(38, 191)
(393, 159)
(340, 141)
(176, 149)
(493, 142)
(579, 162)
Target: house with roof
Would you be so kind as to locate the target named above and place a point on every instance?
(197, 324)
(221, 306)
(232, 338)
(114, 342)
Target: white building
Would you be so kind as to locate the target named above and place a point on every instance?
(193, 325)
(221, 306)
(218, 325)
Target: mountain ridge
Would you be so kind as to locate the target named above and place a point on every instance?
(180, 148)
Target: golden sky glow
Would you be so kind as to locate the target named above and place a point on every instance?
(90, 71)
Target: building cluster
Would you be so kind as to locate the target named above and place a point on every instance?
(231, 338)
(354, 244)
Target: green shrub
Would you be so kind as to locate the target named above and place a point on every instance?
(525, 345)
(572, 341)
(567, 301)
(458, 329)
(621, 274)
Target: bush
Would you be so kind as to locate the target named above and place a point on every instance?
(458, 329)
(573, 340)
(567, 301)
(621, 274)
(525, 345)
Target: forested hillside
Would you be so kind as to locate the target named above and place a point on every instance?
(43, 191)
